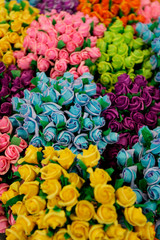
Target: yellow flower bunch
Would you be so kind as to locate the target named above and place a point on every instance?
(14, 21)
(63, 196)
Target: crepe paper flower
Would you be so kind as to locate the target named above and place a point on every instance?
(150, 34)
(13, 82)
(121, 53)
(108, 11)
(60, 42)
(14, 20)
(150, 10)
(71, 201)
(62, 113)
(140, 168)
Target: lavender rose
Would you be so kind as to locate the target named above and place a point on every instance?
(124, 78)
(136, 104)
(122, 102)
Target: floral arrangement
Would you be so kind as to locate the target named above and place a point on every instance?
(14, 20)
(62, 113)
(121, 53)
(55, 202)
(150, 10)
(108, 11)
(151, 35)
(140, 168)
(13, 82)
(60, 42)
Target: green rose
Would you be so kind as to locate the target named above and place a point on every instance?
(93, 69)
(137, 43)
(147, 65)
(118, 39)
(147, 73)
(147, 53)
(104, 67)
(138, 56)
(117, 27)
(102, 45)
(117, 62)
(108, 37)
(112, 50)
(129, 62)
(106, 79)
(123, 49)
(129, 28)
(128, 36)
(103, 57)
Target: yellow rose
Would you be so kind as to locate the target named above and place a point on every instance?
(8, 195)
(52, 171)
(26, 222)
(3, 13)
(2, 2)
(104, 193)
(13, 15)
(106, 214)
(51, 187)
(65, 158)
(18, 45)
(38, 218)
(76, 180)
(60, 235)
(36, 11)
(125, 196)
(115, 231)
(4, 45)
(96, 232)
(11, 4)
(99, 176)
(55, 219)
(53, 202)
(35, 204)
(15, 186)
(68, 196)
(16, 25)
(90, 157)
(146, 232)
(3, 29)
(28, 172)
(49, 153)
(131, 236)
(135, 216)
(78, 230)
(8, 58)
(30, 155)
(12, 37)
(19, 209)
(26, 17)
(15, 233)
(30, 189)
(84, 211)
(39, 235)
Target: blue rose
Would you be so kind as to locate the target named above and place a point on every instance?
(101, 146)
(52, 93)
(141, 138)
(155, 146)
(104, 102)
(69, 77)
(64, 83)
(157, 77)
(35, 98)
(87, 124)
(72, 125)
(95, 135)
(67, 95)
(157, 31)
(141, 28)
(153, 62)
(27, 95)
(152, 176)
(154, 192)
(150, 206)
(14, 120)
(139, 195)
(58, 118)
(37, 142)
(49, 108)
(27, 111)
(148, 160)
(157, 130)
(31, 125)
(90, 89)
(42, 86)
(65, 138)
(93, 108)
(81, 142)
(155, 44)
(74, 150)
(129, 174)
(42, 77)
(158, 162)
(78, 85)
(87, 76)
(74, 111)
(16, 103)
(43, 118)
(82, 99)
(99, 121)
(50, 132)
(122, 157)
(22, 132)
(138, 149)
(147, 36)
(111, 138)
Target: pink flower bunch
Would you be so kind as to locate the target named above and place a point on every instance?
(60, 42)
(150, 10)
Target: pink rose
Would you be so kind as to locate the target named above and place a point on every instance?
(145, 2)
(74, 72)
(61, 65)
(99, 30)
(52, 54)
(5, 125)
(52, 42)
(23, 144)
(11, 218)
(78, 39)
(3, 224)
(75, 58)
(155, 9)
(14, 168)
(26, 42)
(54, 74)
(93, 41)
(41, 48)
(32, 32)
(43, 64)
(12, 153)
(65, 38)
(84, 29)
(70, 30)
(60, 26)
(42, 37)
(4, 165)
(2, 212)
(63, 54)
(70, 46)
(24, 62)
(3, 188)
(34, 24)
(77, 23)
(82, 68)
(44, 22)
(33, 45)
(18, 54)
(68, 20)
(84, 55)
(93, 52)
(4, 141)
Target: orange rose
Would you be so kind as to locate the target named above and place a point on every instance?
(98, 8)
(124, 19)
(95, 14)
(135, 4)
(117, 1)
(140, 18)
(125, 8)
(107, 14)
(94, 1)
(132, 17)
(115, 9)
(107, 21)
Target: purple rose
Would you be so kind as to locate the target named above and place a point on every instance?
(122, 102)
(156, 95)
(136, 104)
(140, 80)
(135, 88)
(2, 67)
(10, 68)
(138, 126)
(4, 91)
(147, 99)
(128, 123)
(150, 89)
(5, 80)
(99, 89)
(6, 109)
(156, 107)
(110, 154)
(134, 139)
(124, 139)
(26, 77)
(137, 117)
(121, 89)
(115, 126)
(124, 78)
(112, 96)
(151, 119)
(110, 114)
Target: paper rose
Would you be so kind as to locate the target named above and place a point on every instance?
(150, 10)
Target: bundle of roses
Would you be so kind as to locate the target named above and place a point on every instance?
(60, 42)
(62, 113)
(53, 201)
(14, 20)
(12, 84)
(150, 10)
(60, 5)
(150, 33)
(121, 53)
(140, 168)
(108, 11)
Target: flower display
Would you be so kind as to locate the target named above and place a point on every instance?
(108, 11)
(60, 42)
(14, 20)
(121, 53)
(55, 202)
(150, 10)
(140, 168)
(62, 113)
(151, 36)
(13, 82)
